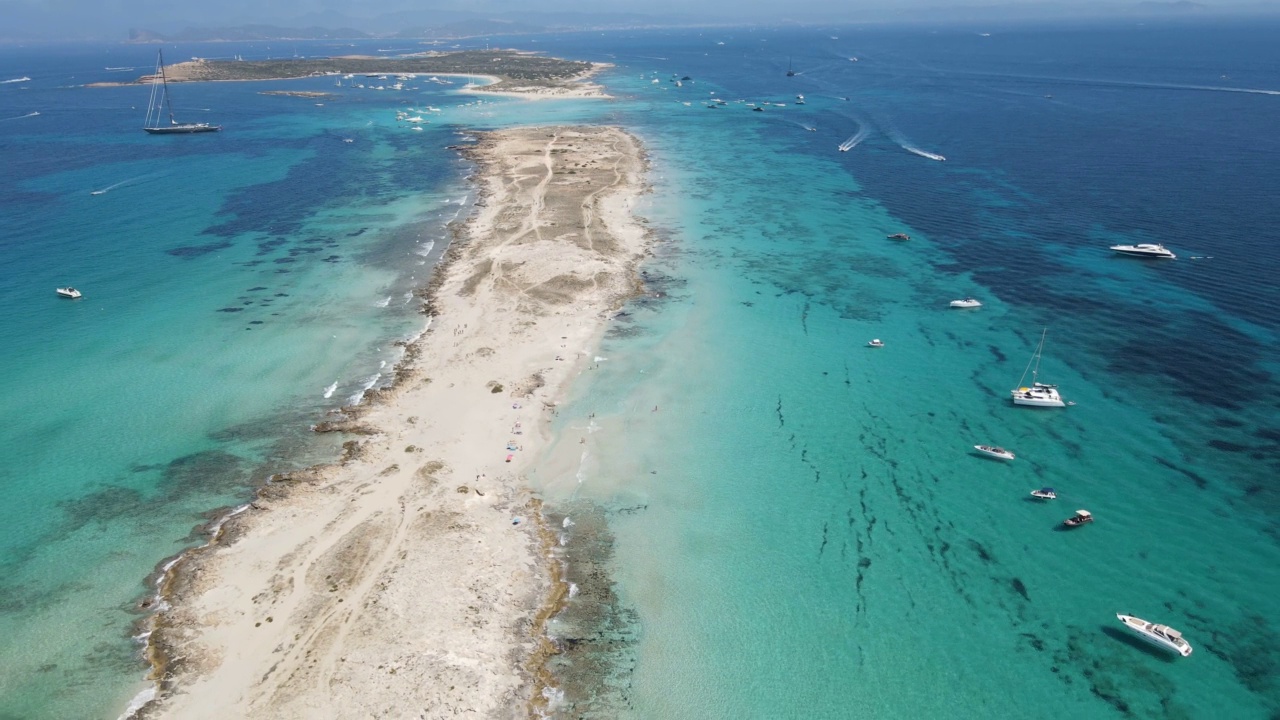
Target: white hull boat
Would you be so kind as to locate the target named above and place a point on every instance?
(875, 343)
(1148, 250)
(1162, 636)
(966, 303)
(68, 292)
(994, 451)
(1037, 394)
(1044, 494)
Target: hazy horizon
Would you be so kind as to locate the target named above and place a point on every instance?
(77, 19)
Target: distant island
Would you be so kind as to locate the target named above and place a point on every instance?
(513, 71)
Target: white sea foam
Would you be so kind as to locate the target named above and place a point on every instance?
(138, 701)
(573, 590)
(328, 392)
(567, 522)
(425, 248)
(15, 80)
(383, 302)
(358, 396)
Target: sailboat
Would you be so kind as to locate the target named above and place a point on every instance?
(790, 72)
(1038, 394)
(159, 102)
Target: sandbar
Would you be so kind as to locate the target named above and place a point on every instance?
(413, 577)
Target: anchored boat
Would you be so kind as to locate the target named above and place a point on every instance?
(1162, 636)
(1038, 394)
(994, 451)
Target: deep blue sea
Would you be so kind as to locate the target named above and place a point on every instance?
(801, 528)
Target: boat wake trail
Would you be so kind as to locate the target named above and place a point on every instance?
(20, 117)
(854, 140)
(922, 153)
(15, 80)
(907, 145)
(109, 188)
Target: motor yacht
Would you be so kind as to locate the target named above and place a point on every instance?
(1044, 494)
(994, 451)
(1162, 636)
(1080, 518)
(899, 236)
(966, 303)
(875, 343)
(68, 292)
(1151, 250)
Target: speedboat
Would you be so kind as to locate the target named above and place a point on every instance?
(1162, 636)
(1080, 518)
(1044, 494)
(994, 451)
(875, 343)
(966, 303)
(1151, 250)
(899, 236)
(68, 292)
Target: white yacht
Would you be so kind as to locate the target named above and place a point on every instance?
(1162, 636)
(966, 303)
(994, 451)
(1151, 250)
(1045, 494)
(1037, 394)
(875, 343)
(68, 292)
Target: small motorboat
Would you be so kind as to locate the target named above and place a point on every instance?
(757, 109)
(1080, 518)
(899, 236)
(1044, 494)
(1162, 636)
(966, 303)
(994, 451)
(68, 292)
(875, 343)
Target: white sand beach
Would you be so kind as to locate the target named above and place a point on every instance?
(412, 579)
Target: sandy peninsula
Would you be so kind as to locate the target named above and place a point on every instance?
(413, 578)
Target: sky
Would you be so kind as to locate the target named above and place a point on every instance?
(112, 19)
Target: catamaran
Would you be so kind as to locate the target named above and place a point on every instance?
(160, 102)
(1038, 394)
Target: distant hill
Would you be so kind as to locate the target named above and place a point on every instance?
(241, 33)
(471, 28)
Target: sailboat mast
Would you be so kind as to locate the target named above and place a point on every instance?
(165, 82)
(1035, 374)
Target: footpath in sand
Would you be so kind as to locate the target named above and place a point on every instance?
(412, 579)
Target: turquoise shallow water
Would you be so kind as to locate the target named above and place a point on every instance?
(802, 528)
